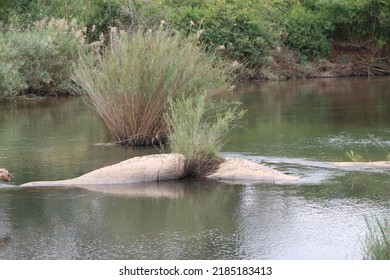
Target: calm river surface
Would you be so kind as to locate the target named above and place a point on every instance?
(295, 127)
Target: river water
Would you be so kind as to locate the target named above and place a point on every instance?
(296, 127)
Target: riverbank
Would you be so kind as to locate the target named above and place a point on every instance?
(345, 60)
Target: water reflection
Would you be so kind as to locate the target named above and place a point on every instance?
(297, 127)
(166, 189)
(317, 119)
(56, 139)
(93, 225)
(205, 221)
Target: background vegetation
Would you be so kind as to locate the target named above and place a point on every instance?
(38, 59)
(268, 39)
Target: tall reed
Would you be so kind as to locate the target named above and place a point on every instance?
(377, 242)
(131, 83)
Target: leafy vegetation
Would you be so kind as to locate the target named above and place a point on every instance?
(362, 21)
(308, 33)
(101, 13)
(197, 131)
(38, 60)
(269, 39)
(238, 29)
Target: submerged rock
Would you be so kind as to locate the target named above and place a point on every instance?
(5, 175)
(242, 170)
(371, 164)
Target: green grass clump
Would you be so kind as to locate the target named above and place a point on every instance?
(197, 131)
(354, 156)
(377, 242)
(131, 83)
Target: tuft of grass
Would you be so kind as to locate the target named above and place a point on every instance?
(131, 83)
(354, 157)
(197, 131)
(374, 141)
(377, 242)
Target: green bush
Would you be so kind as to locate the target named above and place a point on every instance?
(198, 132)
(130, 85)
(147, 14)
(354, 21)
(237, 29)
(38, 60)
(308, 33)
(98, 15)
(11, 81)
(360, 21)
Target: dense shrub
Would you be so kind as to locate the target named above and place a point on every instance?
(147, 14)
(130, 85)
(360, 21)
(38, 60)
(11, 81)
(308, 33)
(354, 21)
(238, 29)
(198, 132)
(99, 14)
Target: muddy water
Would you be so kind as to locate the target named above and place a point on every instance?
(296, 127)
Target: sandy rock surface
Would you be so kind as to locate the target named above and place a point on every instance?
(155, 168)
(372, 164)
(126, 177)
(235, 169)
(162, 167)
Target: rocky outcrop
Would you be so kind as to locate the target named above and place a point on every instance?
(5, 175)
(242, 170)
(151, 168)
(128, 177)
(164, 167)
(366, 165)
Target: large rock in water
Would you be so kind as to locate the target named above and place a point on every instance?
(139, 169)
(244, 171)
(164, 167)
